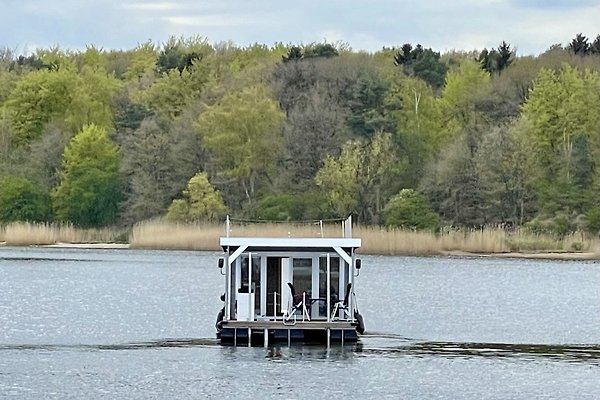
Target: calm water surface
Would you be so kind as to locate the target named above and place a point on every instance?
(107, 324)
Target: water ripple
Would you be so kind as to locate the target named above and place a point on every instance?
(155, 344)
(574, 353)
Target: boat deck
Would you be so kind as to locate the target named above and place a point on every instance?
(320, 325)
(268, 332)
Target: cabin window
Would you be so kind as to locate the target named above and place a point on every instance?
(255, 280)
(302, 273)
(334, 283)
(274, 294)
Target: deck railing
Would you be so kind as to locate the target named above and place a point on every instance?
(235, 227)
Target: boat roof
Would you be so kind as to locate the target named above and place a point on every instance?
(289, 244)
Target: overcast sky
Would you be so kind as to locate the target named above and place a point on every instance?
(530, 26)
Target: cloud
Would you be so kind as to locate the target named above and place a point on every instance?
(529, 25)
(151, 6)
(215, 20)
(554, 4)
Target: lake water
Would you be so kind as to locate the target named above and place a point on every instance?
(108, 324)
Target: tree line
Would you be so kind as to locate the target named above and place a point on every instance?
(405, 136)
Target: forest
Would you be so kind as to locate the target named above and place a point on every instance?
(404, 137)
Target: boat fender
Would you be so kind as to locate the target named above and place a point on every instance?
(219, 323)
(361, 323)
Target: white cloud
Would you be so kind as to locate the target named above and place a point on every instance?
(215, 20)
(529, 25)
(151, 6)
(556, 4)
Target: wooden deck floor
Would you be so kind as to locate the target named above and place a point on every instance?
(319, 325)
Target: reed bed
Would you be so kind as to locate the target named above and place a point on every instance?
(203, 236)
(375, 240)
(171, 236)
(26, 234)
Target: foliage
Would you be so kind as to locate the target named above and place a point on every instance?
(291, 207)
(169, 95)
(200, 202)
(62, 94)
(310, 131)
(22, 200)
(409, 210)
(459, 96)
(422, 63)
(158, 161)
(37, 99)
(242, 131)
(592, 217)
(452, 185)
(563, 115)
(498, 59)
(180, 54)
(325, 50)
(580, 45)
(361, 179)
(143, 62)
(89, 191)
(414, 110)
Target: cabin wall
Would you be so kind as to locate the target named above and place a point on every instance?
(267, 282)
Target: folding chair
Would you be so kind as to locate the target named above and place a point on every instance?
(298, 303)
(342, 305)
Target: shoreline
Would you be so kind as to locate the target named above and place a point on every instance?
(555, 255)
(551, 255)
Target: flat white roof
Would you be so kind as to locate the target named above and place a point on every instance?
(290, 242)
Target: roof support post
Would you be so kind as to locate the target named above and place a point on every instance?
(343, 254)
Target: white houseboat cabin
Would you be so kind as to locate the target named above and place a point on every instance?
(289, 289)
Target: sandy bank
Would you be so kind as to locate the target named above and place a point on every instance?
(539, 256)
(90, 245)
(455, 253)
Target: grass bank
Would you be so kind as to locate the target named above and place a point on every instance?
(376, 240)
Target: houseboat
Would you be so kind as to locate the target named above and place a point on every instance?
(289, 289)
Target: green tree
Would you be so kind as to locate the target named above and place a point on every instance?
(362, 178)
(463, 88)
(143, 62)
(200, 202)
(90, 191)
(422, 63)
(158, 161)
(243, 134)
(38, 98)
(453, 187)
(92, 97)
(313, 129)
(180, 53)
(580, 45)
(409, 210)
(325, 50)
(294, 54)
(339, 179)
(563, 114)
(307, 205)
(498, 59)
(415, 111)
(22, 200)
(169, 95)
(504, 161)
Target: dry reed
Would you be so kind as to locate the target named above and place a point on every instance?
(26, 233)
(171, 236)
(375, 240)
